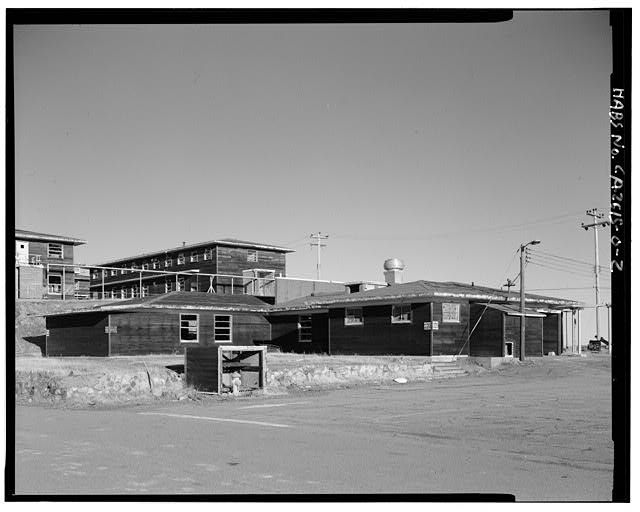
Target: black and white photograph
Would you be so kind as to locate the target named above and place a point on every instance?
(318, 255)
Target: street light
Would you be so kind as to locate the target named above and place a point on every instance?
(522, 313)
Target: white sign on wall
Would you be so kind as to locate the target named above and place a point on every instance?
(450, 313)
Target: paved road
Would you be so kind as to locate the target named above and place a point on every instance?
(540, 433)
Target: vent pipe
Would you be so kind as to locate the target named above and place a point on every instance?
(393, 269)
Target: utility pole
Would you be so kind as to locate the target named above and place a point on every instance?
(318, 237)
(509, 284)
(596, 222)
(523, 317)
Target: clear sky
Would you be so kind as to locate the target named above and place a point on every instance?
(444, 145)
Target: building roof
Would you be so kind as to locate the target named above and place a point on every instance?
(199, 301)
(228, 242)
(513, 310)
(23, 234)
(417, 291)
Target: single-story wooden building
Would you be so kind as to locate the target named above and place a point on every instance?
(163, 324)
(419, 318)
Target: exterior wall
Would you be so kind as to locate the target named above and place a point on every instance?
(551, 332)
(158, 332)
(77, 335)
(29, 282)
(451, 338)
(233, 260)
(293, 289)
(39, 255)
(225, 260)
(533, 335)
(487, 338)
(284, 333)
(377, 335)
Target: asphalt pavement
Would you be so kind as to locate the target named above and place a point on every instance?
(540, 433)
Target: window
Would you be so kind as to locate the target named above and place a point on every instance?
(208, 254)
(401, 314)
(145, 290)
(222, 328)
(508, 349)
(123, 271)
(54, 282)
(194, 257)
(95, 275)
(450, 313)
(252, 255)
(55, 251)
(188, 328)
(180, 259)
(168, 262)
(304, 329)
(169, 286)
(114, 294)
(123, 293)
(114, 272)
(155, 263)
(145, 266)
(134, 266)
(353, 316)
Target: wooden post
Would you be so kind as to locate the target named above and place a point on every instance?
(102, 283)
(579, 312)
(328, 333)
(64, 282)
(559, 343)
(431, 331)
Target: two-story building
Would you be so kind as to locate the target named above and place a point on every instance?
(225, 266)
(44, 267)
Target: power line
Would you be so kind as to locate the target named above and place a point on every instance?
(560, 269)
(564, 258)
(563, 266)
(566, 217)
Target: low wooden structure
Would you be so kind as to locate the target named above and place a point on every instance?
(213, 368)
(418, 318)
(159, 325)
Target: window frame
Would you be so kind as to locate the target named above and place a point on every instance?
(50, 284)
(220, 318)
(189, 327)
(252, 255)
(306, 329)
(180, 259)
(168, 262)
(207, 255)
(194, 257)
(54, 255)
(351, 323)
(397, 318)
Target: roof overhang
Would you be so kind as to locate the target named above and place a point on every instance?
(44, 237)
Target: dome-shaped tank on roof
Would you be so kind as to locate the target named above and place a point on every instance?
(394, 264)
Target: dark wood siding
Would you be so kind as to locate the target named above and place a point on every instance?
(487, 338)
(284, 333)
(158, 332)
(533, 335)
(551, 334)
(233, 260)
(451, 338)
(77, 335)
(378, 335)
(201, 366)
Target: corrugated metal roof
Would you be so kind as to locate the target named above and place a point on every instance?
(223, 241)
(417, 290)
(23, 234)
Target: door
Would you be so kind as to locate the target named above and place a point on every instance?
(22, 252)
